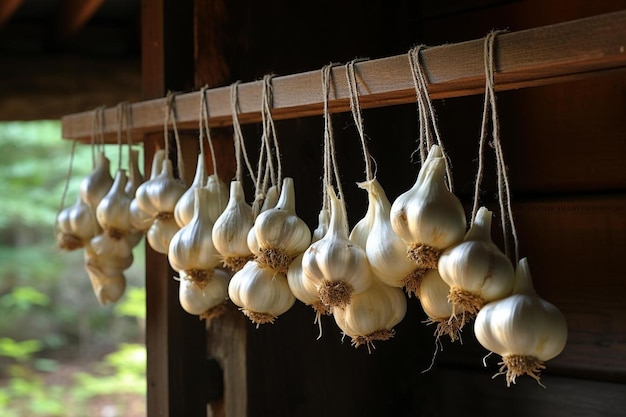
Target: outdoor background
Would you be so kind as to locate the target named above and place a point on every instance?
(61, 353)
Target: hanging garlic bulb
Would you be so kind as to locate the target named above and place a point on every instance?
(207, 302)
(110, 263)
(475, 269)
(337, 267)
(428, 217)
(113, 211)
(230, 231)
(140, 219)
(433, 294)
(158, 198)
(135, 179)
(98, 183)
(362, 229)
(184, 210)
(304, 289)
(218, 192)
(523, 328)
(278, 234)
(323, 219)
(76, 225)
(191, 249)
(262, 293)
(372, 314)
(385, 250)
(271, 198)
(108, 289)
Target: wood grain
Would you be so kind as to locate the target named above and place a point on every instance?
(532, 57)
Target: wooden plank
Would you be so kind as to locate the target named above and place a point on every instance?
(74, 14)
(532, 57)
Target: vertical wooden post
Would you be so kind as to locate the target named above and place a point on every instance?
(175, 340)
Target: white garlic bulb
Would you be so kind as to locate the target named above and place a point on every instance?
(271, 198)
(191, 249)
(110, 262)
(219, 196)
(98, 183)
(107, 288)
(140, 219)
(159, 195)
(433, 294)
(428, 217)
(372, 314)
(76, 225)
(323, 219)
(337, 267)
(106, 245)
(230, 231)
(184, 210)
(207, 302)
(475, 269)
(523, 328)
(386, 251)
(113, 211)
(135, 179)
(362, 228)
(304, 289)
(262, 293)
(278, 234)
(161, 233)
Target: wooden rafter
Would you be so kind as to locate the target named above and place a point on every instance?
(545, 55)
(7, 9)
(74, 14)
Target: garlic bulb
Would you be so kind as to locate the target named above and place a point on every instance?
(110, 263)
(76, 225)
(140, 219)
(303, 289)
(219, 196)
(207, 302)
(184, 210)
(323, 219)
(135, 179)
(230, 231)
(337, 267)
(107, 245)
(191, 249)
(278, 234)
(372, 314)
(362, 229)
(428, 217)
(475, 269)
(113, 211)
(108, 289)
(433, 294)
(271, 198)
(262, 293)
(98, 183)
(523, 328)
(158, 197)
(385, 250)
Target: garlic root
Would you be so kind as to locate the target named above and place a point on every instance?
(518, 365)
(335, 293)
(274, 258)
(235, 263)
(412, 282)
(423, 255)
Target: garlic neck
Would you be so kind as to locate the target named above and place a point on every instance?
(120, 182)
(338, 221)
(523, 280)
(198, 179)
(287, 199)
(481, 227)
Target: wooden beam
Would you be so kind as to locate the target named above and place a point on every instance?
(7, 9)
(545, 55)
(74, 14)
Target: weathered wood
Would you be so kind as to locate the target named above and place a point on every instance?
(74, 14)
(533, 57)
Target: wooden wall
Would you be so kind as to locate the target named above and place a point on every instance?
(565, 146)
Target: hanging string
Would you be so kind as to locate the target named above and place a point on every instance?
(504, 195)
(330, 155)
(355, 107)
(170, 111)
(68, 177)
(101, 128)
(120, 126)
(426, 111)
(269, 132)
(94, 124)
(240, 146)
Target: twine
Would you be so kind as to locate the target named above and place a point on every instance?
(270, 128)
(355, 107)
(240, 146)
(170, 111)
(67, 184)
(204, 118)
(427, 116)
(120, 127)
(504, 191)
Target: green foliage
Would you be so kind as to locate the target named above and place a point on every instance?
(20, 351)
(134, 304)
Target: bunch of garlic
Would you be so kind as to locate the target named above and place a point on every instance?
(278, 234)
(191, 250)
(184, 210)
(433, 295)
(208, 302)
(475, 269)
(75, 226)
(139, 218)
(428, 217)
(523, 328)
(335, 265)
(230, 231)
(372, 314)
(106, 273)
(385, 250)
(262, 293)
(158, 197)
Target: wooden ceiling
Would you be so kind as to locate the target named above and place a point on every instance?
(64, 56)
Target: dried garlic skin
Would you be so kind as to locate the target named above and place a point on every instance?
(337, 267)
(428, 217)
(191, 247)
(197, 301)
(230, 231)
(184, 210)
(262, 294)
(476, 269)
(76, 225)
(218, 192)
(278, 234)
(98, 183)
(523, 328)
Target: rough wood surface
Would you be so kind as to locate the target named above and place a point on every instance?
(532, 57)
